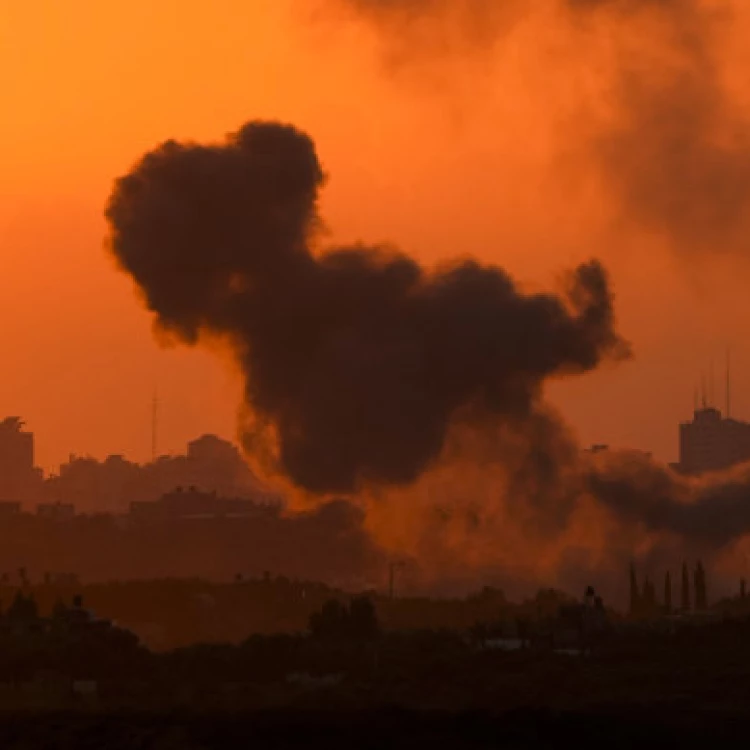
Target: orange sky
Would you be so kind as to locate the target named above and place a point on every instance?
(454, 160)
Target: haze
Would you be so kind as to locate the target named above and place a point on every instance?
(468, 154)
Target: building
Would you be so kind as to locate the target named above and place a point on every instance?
(711, 442)
(20, 480)
(56, 511)
(16, 446)
(195, 504)
(211, 464)
(9, 508)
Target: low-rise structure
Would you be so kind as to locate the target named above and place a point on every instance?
(195, 504)
(56, 511)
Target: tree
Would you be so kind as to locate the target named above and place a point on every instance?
(23, 609)
(700, 587)
(634, 598)
(685, 603)
(330, 621)
(334, 620)
(649, 596)
(363, 621)
(59, 611)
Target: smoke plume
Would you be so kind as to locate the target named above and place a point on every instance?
(418, 392)
(712, 512)
(357, 360)
(671, 147)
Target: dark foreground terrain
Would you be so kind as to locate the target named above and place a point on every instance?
(386, 728)
(70, 681)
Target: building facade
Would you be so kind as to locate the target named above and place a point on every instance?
(20, 480)
(711, 442)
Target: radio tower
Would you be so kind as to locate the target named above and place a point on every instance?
(154, 418)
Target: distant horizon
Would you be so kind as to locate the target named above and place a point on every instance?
(132, 456)
(437, 173)
(178, 436)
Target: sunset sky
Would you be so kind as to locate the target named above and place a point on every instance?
(458, 156)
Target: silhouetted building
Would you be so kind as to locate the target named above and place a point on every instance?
(211, 465)
(20, 480)
(194, 504)
(56, 511)
(710, 442)
(90, 484)
(668, 592)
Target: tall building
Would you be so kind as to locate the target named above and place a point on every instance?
(711, 442)
(20, 480)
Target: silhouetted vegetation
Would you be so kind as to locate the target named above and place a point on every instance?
(350, 659)
(358, 621)
(549, 670)
(174, 613)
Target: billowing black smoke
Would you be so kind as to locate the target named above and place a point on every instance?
(357, 361)
(710, 513)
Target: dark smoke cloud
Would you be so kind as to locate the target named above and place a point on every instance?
(713, 512)
(357, 361)
(674, 153)
(365, 371)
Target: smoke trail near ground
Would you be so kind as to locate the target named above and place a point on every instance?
(713, 511)
(486, 517)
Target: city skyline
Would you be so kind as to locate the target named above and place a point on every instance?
(371, 367)
(174, 432)
(88, 328)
